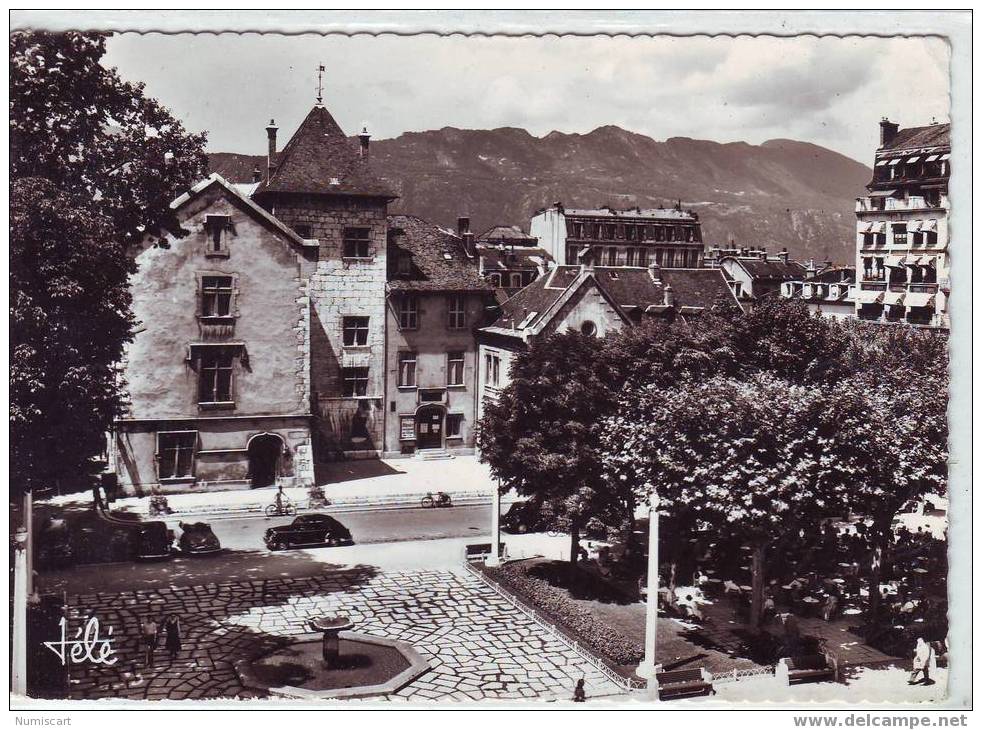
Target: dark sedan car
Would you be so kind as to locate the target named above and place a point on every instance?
(197, 538)
(308, 530)
(528, 516)
(154, 541)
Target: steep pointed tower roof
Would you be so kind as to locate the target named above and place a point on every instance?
(320, 159)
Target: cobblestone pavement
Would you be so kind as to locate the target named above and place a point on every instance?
(479, 646)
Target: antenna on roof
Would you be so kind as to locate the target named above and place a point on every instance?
(320, 85)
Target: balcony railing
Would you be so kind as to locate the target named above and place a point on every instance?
(866, 205)
(923, 288)
(873, 286)
(898, 286)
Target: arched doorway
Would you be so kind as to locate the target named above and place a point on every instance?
(429, 427)
(265, 452)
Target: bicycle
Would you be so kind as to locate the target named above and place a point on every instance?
(281, 507)
(442, 499)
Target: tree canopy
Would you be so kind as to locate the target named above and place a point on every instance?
(94, 166)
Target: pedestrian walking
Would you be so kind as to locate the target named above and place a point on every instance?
(172, 635)
(150, 633)
(579, 694)
(921, 664)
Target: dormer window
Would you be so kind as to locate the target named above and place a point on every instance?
(404, 264)
(218, 228)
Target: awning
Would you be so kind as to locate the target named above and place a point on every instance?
(915, 158)
(945, 156)
(878, 227)
(882, 193)
(930, 158)
(865, 227)
(914, 226)
(919, 299)
(894, 262)
(919, 261)
(896, 162)
(930, 225)
(869, 297)
(881, 163)
(894, 299)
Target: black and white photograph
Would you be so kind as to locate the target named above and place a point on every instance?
(489, 360)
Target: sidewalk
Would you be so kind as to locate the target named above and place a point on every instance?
(351, 485)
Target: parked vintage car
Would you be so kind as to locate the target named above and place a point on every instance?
(528, 516)
(197, 538)
(308, 530)
(154, 541)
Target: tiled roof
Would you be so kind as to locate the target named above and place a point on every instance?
(771, 269)
(835, 275)
(934, 135)
(438, 261)
(629, 287)
(507, 233)
(320, 159)
(505, 259)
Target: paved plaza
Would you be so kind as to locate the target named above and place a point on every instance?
(479, 645)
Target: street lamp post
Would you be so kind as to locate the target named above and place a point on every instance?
(18, 679)
(649, 666)
(492, 559)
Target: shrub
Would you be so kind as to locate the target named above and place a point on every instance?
(556, 604)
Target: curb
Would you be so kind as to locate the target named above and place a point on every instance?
(343, 505)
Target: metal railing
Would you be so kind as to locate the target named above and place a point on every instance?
(735, 675)
(628, 684)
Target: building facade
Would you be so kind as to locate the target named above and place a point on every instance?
(830, 292)
(902, 259)
(508, 257)
(436, 299)
(218, 373)
(594, 300)
(753, 274)
(321, 185)
(669, 237)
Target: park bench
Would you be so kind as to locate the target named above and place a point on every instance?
(809, 668)
(480, 551)
(683, 683)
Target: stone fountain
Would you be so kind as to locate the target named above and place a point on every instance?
(333, 662)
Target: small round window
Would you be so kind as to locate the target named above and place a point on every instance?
(588, 328)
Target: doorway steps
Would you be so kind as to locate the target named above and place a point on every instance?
(433, 454)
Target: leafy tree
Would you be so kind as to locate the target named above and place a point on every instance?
(541, 437)
(94, 165)
(760, 458)
(95, 136)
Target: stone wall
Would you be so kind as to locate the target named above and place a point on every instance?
(337, 288)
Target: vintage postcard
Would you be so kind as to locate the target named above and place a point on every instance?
(490, 360)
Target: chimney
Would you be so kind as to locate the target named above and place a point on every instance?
(888, 130)
(271, 155)
(655, 270)
(257, 174)
(559, 207)
(363, 138)
(810, 269)
(586, 259)
(669, 296)
(783, 255)
(463, 225)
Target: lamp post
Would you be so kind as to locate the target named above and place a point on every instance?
(648, 668)
(492, 559)
(18, 669)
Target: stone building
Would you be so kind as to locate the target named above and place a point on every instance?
(218, 372)
(830, 292)
(754, 274)
(436, 298)
(509, 258)
(322, 187)
(594, 300)
(669, 237)
(902, 228)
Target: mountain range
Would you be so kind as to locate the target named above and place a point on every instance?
(781, 193)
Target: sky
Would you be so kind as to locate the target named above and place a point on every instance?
(828, 91)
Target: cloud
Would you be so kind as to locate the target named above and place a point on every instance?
(829, 91)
